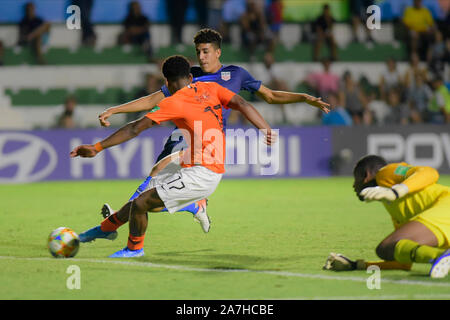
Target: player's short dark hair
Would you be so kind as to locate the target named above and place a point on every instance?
(207, 35)
(176, 67)
(371, 163)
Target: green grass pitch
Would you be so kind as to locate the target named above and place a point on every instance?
(269, 240)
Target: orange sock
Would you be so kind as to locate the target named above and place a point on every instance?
(135, 243)
(112, 223)
(389, 265)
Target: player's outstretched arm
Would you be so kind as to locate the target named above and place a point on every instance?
(409, 179)
(240, 104)
(138, 105)
(123, 134)
(284, 97)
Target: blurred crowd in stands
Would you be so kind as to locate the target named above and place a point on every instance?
(415, 96)
(420, 95)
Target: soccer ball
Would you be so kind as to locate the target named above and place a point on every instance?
(63, 243)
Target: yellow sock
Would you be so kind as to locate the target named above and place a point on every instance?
(408, 251)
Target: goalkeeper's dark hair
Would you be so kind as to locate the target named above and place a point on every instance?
(208, 36)
(371, 163)
(176, 67)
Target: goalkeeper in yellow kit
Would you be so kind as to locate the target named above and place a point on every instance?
(420, 212)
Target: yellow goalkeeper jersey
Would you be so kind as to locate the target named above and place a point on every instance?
(423, 193)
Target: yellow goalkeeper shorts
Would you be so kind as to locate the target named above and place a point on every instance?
(437, 219)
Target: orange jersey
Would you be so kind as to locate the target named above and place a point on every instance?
(197, 111)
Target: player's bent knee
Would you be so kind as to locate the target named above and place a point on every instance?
(141, 204)
(144, 201)
(149, 201)
(385, 250)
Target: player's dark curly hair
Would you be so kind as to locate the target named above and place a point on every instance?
(372, 163)
(176, 67)
(208, 36)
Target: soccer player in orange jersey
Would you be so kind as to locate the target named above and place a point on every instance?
(420, 211)
(196, 109)
(208, 44)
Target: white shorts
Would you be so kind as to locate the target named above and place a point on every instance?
(178, 187)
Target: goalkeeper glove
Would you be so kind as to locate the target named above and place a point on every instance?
(381, 193)
(339, 262)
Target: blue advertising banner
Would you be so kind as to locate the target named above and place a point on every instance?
(29, 156)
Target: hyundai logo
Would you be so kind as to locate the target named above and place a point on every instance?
(25, 158)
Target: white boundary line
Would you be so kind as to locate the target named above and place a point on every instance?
(432, 283)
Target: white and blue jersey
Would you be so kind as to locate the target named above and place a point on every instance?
(232, 77)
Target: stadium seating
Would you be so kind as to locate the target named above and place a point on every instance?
(100, 86)
(116, 55)
(109, 74)
(63, 45)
